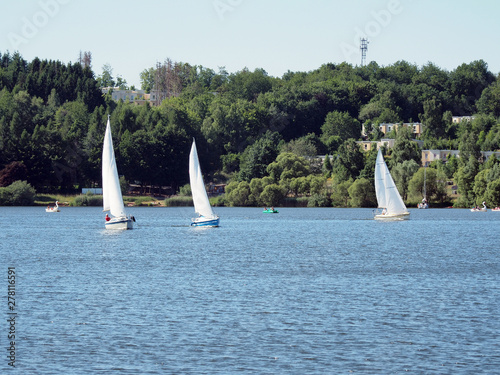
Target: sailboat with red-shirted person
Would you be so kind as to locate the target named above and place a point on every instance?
(112, 199)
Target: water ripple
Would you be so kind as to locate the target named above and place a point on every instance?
(308, 291)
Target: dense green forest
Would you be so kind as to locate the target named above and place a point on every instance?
(257, 133)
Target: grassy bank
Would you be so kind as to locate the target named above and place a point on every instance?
(87, 200)
(178, 201)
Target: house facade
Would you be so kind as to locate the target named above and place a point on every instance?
(459, 119)
(387, 142)
(428, 156)
(416, 127)
(136, 96)
(125, 95)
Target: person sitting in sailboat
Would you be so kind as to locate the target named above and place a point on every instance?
(107, 217)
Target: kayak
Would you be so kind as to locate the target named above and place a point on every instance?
(269, 211)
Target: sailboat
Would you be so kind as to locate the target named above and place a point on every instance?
(202, 207)
(387, 193)
(112, 199)
(424, 204)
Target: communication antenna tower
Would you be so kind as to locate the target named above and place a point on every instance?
(363, 48)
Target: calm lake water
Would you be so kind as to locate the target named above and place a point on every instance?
(305, 291)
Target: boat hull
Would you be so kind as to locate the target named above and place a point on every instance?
(52, 210)
(403, 216)
(120, 223)
(270, 211)
(205, 222)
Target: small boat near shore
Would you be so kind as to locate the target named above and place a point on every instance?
(53, 207)
(479, 209)
(424, 204)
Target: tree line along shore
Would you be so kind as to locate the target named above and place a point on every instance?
(258, 136)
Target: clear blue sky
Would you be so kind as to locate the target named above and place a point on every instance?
(276, 35)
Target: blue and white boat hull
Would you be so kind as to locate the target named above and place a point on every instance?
(205, 222)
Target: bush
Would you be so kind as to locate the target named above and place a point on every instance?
(139, 201)
(15, 171)
(185, 190)
(88, 199)
(362, 193)
(19, 193)
(239, 195)
(273, 195)
(124, 185)
(178, 201)
(218, 201)
(5, 197)
(318, 200)
(295, 202)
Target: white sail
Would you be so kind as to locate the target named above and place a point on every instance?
(111, 192)
(380, 167)
(425, 178)
(387, 193)
(200, 197)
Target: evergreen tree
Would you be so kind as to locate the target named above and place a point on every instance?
(349, 160)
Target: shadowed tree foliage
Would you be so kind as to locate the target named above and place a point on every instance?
(13, 172)
(492, 193)
(362, 193)
(435, 185)
(349, 161)
(257, 157)
(340, 124)
(340, 195)
(402, 174)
